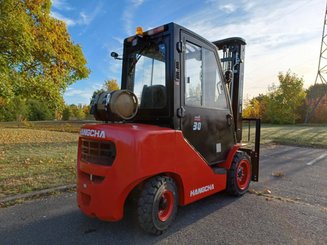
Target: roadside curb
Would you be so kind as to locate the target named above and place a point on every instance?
(40, 193)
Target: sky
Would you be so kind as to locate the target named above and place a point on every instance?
(281, 35)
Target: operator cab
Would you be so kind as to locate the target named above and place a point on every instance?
(179, 83)
(146, 73)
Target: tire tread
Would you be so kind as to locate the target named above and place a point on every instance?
(232, 188)
(145, 203)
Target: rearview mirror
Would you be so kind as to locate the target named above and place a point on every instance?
(115, 56)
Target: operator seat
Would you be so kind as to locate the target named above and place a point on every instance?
(153, 96)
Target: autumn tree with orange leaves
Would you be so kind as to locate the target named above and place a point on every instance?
(38, 59)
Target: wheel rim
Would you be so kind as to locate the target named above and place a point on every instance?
(243, 174)
(166, 205)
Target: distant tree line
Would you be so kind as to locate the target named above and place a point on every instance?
(289, 102)
(20, 108)
(82, 112)
(34, 110)
(76, 112)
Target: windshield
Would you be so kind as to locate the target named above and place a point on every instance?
(147, 75)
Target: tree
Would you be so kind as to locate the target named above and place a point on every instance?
(86, 111)
(38, 111)
(74, 112)
(256, 107)
(78, 112)
(111, 85)
(284, 101)
(251, 108)
(66, 113)
(317, 93)
(18, 108)
(37, 57)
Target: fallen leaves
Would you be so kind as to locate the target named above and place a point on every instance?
(35, 159)
(278, 174)
(266, 191)
(21, 136)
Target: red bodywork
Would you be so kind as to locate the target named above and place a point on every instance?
(143, 151)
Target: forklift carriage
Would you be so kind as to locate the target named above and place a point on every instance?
(172, 135)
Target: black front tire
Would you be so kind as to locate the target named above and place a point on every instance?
(157, 204)
(239, 174)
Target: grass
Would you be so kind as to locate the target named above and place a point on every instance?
(32, 159)
(300, 135)
(61, 126)
(40, 155)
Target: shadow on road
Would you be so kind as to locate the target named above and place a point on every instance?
(73, 227)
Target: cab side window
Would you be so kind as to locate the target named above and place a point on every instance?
(203, 83)
(213, 90)
(193, 75)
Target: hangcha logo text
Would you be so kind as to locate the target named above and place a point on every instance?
(202, 190)
(93, 133)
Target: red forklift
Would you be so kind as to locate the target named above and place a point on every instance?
(172, 135)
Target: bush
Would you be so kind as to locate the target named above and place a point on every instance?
(39, 111)
(66, 113)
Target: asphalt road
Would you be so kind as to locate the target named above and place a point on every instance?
(294, 213)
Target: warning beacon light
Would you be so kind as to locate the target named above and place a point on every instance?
(139, 31)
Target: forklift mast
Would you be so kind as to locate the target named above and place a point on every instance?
(232, 60)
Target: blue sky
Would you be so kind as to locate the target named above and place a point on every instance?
(280, 35)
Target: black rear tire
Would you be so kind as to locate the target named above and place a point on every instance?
(157, 204)
(239, 174)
